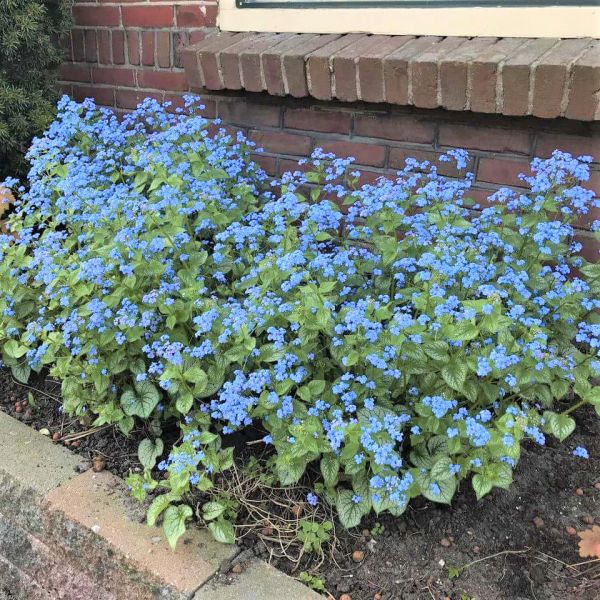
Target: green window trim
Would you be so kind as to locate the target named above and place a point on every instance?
(410, 3)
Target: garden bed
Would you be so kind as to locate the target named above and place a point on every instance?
(518, 542)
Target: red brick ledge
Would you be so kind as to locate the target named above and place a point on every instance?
(546, 77)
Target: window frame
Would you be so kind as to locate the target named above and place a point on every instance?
(563, 21)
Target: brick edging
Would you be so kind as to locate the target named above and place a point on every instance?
(68, 532)
(546, 77)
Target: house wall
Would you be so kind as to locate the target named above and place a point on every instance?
(122, 52)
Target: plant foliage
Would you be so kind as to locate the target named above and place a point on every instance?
(398, 345)
(30, 53)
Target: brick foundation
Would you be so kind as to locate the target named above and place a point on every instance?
(292, 93)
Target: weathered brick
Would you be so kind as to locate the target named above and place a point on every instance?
(281, 142)
(114, 76)
(133, 47)
(104, 47)
(551, 76)
(72, 72)
(162, 80)
(454, 79)
(118, 47)
(147, 16)
(97, 16)
(242, 112)
(148, 48)
(192, 15)
(370, 67)
(272, 61)
(191, 65)
(501, 171)
(395, 68)
(91, 46)
(516, 75)
(584, 100)
(78, 46)
(318, 66)
(369, 154)
(163, 49)
(483, 74)
(250, 62)
(473, 137)
(102, 95)
(269, 163)
(218, 66)
(345, 64)
(294, 64)
(127, 98)
(575, 144)
(423, 72)
(398, 158)
(398, 127)
(325, 121)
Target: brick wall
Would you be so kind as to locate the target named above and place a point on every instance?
(122, 52)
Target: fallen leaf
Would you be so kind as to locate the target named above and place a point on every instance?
(590, 542)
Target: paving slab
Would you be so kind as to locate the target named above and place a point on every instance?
(101, 502)
(33, 459)
(258, 581)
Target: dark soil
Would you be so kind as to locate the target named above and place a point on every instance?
(118, 452)
(517, 543)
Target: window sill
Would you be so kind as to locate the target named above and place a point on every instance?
(545, 77)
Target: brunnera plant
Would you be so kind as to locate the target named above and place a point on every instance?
(399, 339)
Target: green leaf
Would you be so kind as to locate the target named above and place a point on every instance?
(289, 471)
(350, 513)
(437, 350)
(21, 372)
(15, 350)
(148, 451)
(222, 530)
(157, 507)
(212, 510)
(330, 467)
(142, 401)
(197, 376)
(174, 522)
(482, 485)
(455, 374)
(559, 425)
(184, 403)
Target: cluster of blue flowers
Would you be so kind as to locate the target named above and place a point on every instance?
(398, 333)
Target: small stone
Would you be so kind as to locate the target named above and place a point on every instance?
(345, 597)
(538, 522)
(579, 492)
(597, 485)
(377, 596)
(358, 556)
(98, 464)
(56, 436)
(366, 533)
(445, 542)
(44, 431)
(267, 531)
(571, 530)
(442, 563)
(75, 444)
(18, 407)
(476, 549)
(96, 529)
(156, 539)
(588, 519)
(236, 569)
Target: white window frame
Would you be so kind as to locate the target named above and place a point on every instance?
(527, 21)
